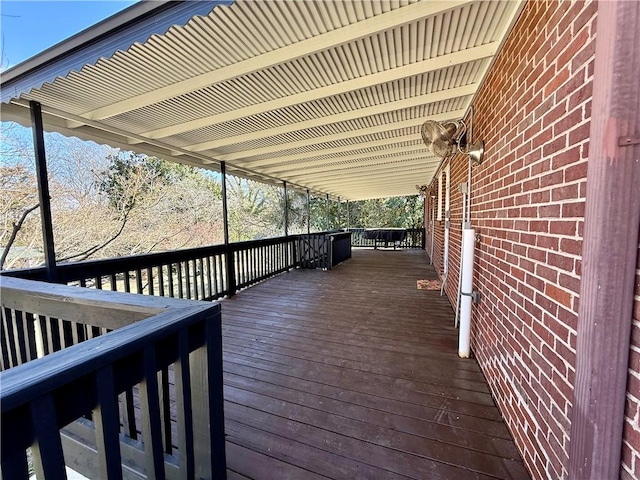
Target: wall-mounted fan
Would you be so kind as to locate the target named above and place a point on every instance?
(444, 139)
(422, 190)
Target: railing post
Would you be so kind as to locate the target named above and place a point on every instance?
(229, 254)
(43, 190)
(208, 401)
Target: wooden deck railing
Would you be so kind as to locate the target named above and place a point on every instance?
(414, 238)
(144, 399)
(323, 250)
(196, 273)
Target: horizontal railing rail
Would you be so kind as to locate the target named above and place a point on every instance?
(203, 273)
(114, 387)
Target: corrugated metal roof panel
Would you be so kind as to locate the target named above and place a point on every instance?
(293, 90)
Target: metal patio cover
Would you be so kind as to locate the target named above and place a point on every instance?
(328, 95)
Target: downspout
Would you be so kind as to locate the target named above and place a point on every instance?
(467, 251)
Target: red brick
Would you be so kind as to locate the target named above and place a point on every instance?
(576, 172)
(560, 227)
(561, 296)
(528, 204)
(575, 209)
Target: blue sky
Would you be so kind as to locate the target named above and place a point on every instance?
(30, 27)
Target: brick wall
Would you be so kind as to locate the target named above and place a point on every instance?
(631, 444)
(533, 113)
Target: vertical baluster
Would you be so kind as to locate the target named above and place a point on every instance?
(66, 333)
(201, 267)
(187, 278)
(4, 339)
(248, 265)
(184, 416)
(253, 260)
(48, 459)
(18, 339)
(98, 281)
(139, 288)
(165, 407)
(150, 416)
(75, 333)
(161, 280)
(258, 256)
(106, 421)
(194, 277)
(179, 264)
(129, 414)
(192, 282)
(50, 337)
(83, 282)
(114, 282)
(220, 273)
(210, 278)
(127, 281)
(170, 276)
(150, 280)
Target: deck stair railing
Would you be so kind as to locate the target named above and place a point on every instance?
(131, 388)
(323, 250)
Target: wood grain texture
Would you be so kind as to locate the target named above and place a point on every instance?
(354, 373)
(610, 248)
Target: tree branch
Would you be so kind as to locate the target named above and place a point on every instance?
(14, 233)
(90, 251)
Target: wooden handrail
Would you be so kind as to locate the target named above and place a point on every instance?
(41, 396)
(196, 273)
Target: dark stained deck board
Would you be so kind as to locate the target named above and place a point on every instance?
(354, 373)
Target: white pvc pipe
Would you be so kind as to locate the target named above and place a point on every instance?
(446, 256)
(468, 247)
(457, 319)
(433, 226)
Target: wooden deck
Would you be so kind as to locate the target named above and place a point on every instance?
(354, 373)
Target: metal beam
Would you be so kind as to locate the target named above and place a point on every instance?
(43, 190)
(308, 213)
(286, 209)
(229, 254)
(326, 203)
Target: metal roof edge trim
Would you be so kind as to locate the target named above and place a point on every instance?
(135, 24)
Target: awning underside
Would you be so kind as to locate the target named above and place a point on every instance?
(327, 95)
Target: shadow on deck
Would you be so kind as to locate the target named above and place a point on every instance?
(354, 373)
